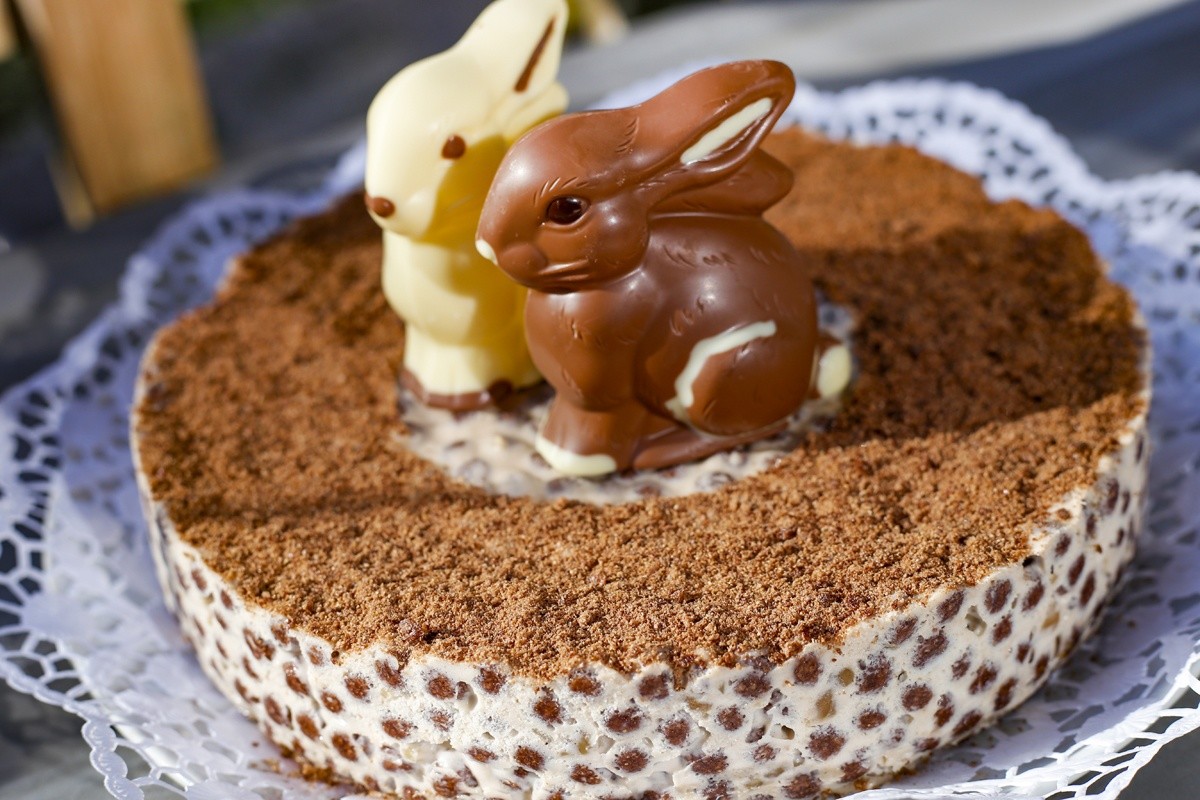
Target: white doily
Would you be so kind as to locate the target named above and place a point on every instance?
(82, 625)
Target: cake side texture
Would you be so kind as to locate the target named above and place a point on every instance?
(829, 719)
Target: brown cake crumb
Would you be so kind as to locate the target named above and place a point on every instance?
(997, 365)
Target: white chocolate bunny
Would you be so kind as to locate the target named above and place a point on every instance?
(436, 133)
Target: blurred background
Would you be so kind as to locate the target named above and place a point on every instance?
(115, 114)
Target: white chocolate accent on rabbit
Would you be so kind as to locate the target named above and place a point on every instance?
(464, 318)
(486, 250)
(833, 371)
(568, 463)
(702, 352)
(729, 129)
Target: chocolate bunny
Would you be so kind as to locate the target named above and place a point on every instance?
(671, 319)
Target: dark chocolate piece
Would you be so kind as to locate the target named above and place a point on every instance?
(491, 397)
(379, 205)
(454, 147)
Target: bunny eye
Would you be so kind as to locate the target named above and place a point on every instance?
(454, 147)
(565, 210)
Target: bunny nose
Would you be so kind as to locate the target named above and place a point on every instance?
(380, 206)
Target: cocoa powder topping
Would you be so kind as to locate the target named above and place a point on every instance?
(996, 366)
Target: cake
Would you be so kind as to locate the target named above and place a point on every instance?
(914, 566)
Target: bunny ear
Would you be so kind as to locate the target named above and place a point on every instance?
(518, 46)
(706, 126)
(539, 63)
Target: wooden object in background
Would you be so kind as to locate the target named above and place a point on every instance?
(8, 32)
(126, 89)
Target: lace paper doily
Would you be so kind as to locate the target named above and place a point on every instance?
(82, 624)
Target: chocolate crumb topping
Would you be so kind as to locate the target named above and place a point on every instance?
(997, 365)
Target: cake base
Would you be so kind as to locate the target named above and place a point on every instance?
(833, 718)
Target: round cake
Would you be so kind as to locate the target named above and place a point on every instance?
(911, 568)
